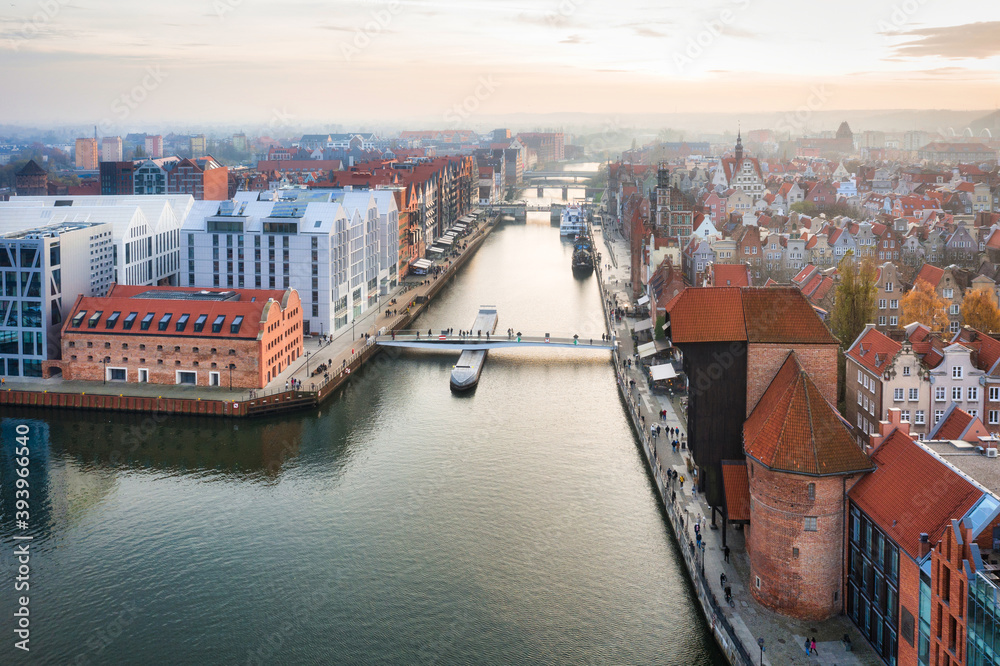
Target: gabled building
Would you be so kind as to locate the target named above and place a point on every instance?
(731, 357)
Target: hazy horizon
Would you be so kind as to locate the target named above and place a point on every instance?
(241, 62)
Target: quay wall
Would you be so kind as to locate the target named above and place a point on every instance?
(736, 652)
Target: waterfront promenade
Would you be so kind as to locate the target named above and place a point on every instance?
(343, 352)
(747, 620)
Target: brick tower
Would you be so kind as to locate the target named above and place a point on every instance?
(31, 181)
(800, 457)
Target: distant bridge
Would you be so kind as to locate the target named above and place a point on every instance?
(545, 175)
(455, 342)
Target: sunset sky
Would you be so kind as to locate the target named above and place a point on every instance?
(126, 63)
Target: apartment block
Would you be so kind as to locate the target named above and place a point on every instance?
(43, 270)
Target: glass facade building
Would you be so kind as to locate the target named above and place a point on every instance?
(983, 627)
(873, 585)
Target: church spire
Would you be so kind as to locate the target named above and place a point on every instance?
(739, 146)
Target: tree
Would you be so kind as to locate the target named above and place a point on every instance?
(923, 305)
(980, 311)
(854, 304)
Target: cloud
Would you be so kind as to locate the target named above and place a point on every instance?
(733, 31)
(552, 19)
(973, 40)
(648, 32)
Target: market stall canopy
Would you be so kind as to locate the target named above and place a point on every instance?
(647, 349)
(644, 325)
(642, 301)
(422, 263)
(664, 371)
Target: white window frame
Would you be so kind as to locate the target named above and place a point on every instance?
(919, 417)
(914, 394)
(939, 394)
(938, 413)
(956, 372)
(973, 394)
(109, 369)
(143, 375)
(994, 416)
(215, 378)
(897, 394)
(995, 394)
(177, 377)
(956, 393)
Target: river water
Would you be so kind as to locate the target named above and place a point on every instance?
(398, 524)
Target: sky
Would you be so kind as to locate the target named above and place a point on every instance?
(455, 63)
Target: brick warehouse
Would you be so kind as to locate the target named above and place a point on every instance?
(177, 335)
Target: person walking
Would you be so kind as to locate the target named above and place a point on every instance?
(812, 645)
(725, 554)
(808, 646)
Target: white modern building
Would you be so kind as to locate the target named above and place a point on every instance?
(42, 272)
(151, 175)
(146, 229)
(322, 243)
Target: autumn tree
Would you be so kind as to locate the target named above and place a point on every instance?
(979, 310)
(854, 303)
(923, 305)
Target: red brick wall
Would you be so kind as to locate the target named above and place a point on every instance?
(909, 598)
(808, 586)
(84, 363)
(949, 592)
(216, 184)
(764, 361)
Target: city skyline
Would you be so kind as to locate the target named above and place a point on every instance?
(462, 63)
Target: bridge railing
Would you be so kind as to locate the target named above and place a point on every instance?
(423, 336)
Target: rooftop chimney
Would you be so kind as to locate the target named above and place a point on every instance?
(925, 543)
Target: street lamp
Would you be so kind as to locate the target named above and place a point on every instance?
(105, 362)
(307, 364)
(760, 643)
(231, 366)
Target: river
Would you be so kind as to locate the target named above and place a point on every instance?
(398, 524)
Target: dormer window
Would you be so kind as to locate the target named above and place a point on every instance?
(94, 318)
(78, 318)
(164, 321)
(199, 323)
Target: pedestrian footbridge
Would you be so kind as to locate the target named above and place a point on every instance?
(457, 342)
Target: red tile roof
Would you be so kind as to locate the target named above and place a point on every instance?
(707, 314)
(730, 275)
(930, 274)
(794, 429)
(737, 489)
(987, 348)
(782, 314)
(756, 314)
(911, 491)
(955, 424)
(251, 305)
(874, 351)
